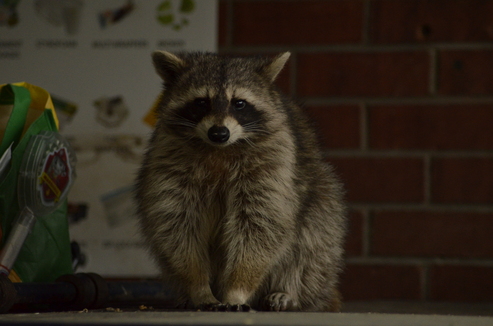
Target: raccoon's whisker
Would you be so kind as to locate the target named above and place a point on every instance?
(249, 142)
(251, 124)
(180, 118)
(180, 121)
(254, 126)
(184, 123)
(257, 131)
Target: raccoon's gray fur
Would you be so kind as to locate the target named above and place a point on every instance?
(236, 203)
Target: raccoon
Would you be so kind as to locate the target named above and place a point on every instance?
(236, 203)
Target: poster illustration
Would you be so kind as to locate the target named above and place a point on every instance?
(93, 57)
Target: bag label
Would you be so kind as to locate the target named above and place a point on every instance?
(55, 178)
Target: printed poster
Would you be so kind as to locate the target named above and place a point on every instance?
(93, 57)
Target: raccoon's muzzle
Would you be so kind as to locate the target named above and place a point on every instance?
(218, 134)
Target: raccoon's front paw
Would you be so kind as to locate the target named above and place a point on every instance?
(225, 307)
(278, 301)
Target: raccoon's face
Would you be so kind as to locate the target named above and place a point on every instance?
(218, 119)
(219, 100)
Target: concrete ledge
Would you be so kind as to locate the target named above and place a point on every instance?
(420, 307)
(143, 318)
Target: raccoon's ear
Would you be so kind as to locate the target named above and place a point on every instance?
(167, 65)
(274, 68)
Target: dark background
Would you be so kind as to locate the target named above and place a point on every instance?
(402, 94)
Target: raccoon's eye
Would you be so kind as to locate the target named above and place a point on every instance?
(239, 104)
(201, 102)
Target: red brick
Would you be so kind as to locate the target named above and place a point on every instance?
(462, 180)
(431, 234)
(465, 72)
(461, 283)
(380, 282)
(354, 238)
(296, 22)
(223, 27)
(368, 179)
(431, 21)
(436, 127)
(338, 126)
(389, 74)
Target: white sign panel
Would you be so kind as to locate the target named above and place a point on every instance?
(94, 58)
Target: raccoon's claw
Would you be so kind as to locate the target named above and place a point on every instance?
(239, 307)
(278, 301)
(224, 307)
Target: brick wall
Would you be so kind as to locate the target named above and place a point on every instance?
(402, 92)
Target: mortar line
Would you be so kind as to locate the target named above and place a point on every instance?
(360, 47)
(365, 33)
(418, 100)
(358, 153)
(230, 22)
(364, 127)
(366, 234)
(433, 78)
(425, 282)
(420, 207)
(427, 179)
(418, 261)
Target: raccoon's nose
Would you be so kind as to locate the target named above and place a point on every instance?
(218, 134)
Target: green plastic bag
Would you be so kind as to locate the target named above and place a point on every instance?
(46, 253)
